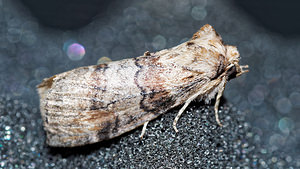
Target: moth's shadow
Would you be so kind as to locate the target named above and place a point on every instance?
(82, 150)
(222, 101)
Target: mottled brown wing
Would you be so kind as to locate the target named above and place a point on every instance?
(90, 104)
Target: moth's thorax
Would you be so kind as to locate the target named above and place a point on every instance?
(205, 54)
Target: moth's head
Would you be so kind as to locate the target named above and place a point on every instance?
(208, 52)
(234, 69)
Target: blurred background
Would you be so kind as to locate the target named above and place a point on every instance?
(41, 38)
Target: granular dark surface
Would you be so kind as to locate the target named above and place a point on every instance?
(200, 142)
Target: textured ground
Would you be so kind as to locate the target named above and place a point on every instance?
(200, 142)
(261, 129)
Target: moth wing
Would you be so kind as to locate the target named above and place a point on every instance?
(83, 106)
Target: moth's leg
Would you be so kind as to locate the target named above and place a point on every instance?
(144, 129)
(179, 114)
(220, 93)
(189, 100)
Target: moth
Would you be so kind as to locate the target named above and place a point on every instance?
(94, 103)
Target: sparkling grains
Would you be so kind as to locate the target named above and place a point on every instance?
(95, 103)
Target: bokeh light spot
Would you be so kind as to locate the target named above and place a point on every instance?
(28, 38)
(159, 42)
(276, 140)
(14, 35)
(257, 95)
(283, 105)
(75, 51)
(285, 125)
(271, 71)
(198, 13)
(295, 99)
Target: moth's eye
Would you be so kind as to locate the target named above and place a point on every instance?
(231, 69)
(231, 72)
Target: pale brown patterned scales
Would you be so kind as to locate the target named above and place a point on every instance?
(94, 103)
